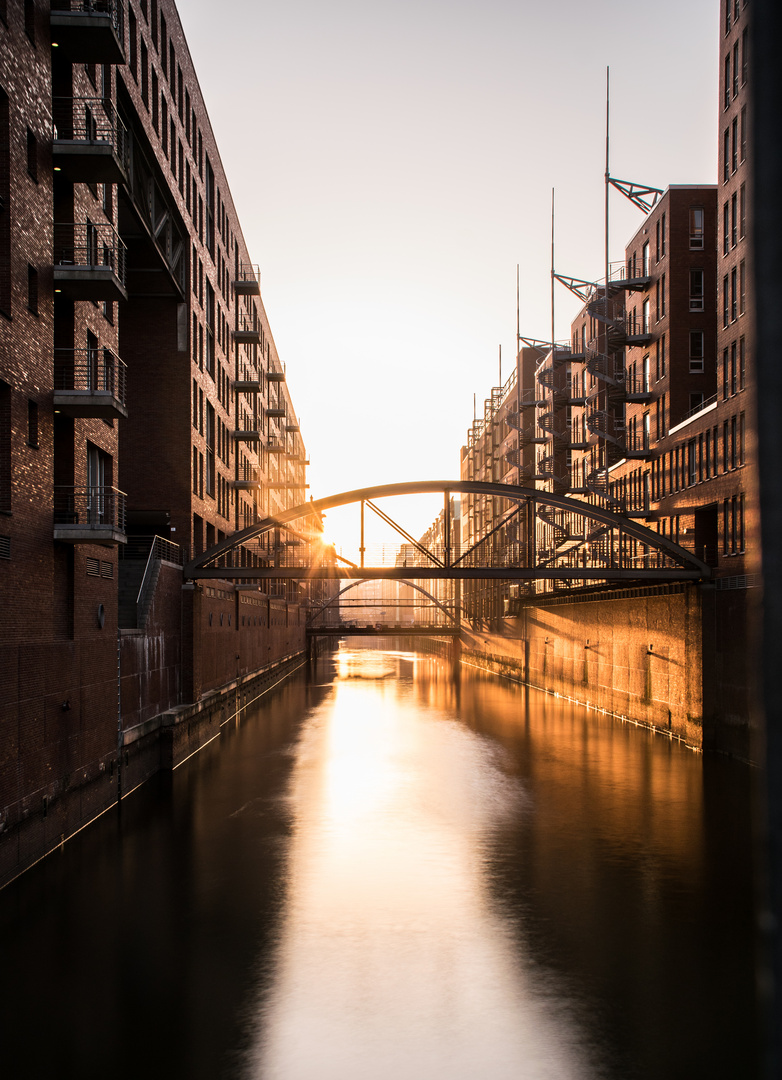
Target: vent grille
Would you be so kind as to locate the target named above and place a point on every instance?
(93, 567)
(5, 547)
(107, 569)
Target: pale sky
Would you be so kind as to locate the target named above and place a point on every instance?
(391, 163)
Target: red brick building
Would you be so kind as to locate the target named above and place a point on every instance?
(141, 396)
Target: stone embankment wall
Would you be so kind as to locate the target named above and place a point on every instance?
(636, 656)
(677, 659)
(201, 658)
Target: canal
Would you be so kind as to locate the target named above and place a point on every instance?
(380, 873)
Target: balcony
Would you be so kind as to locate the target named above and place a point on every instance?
(636, 444)
(248, 281)
(90, 262)
(275, 376)
(247, 433)
(248, 330)
(91, 144)
(275, 446)
(90, 383)
(630, 277)
(89, 515)
(275, 411)
(248, 382)
(89, 31)
(637, 330)
(292, 427)
(638, 389)
(248, 477)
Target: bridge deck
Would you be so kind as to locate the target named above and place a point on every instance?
(399, 630)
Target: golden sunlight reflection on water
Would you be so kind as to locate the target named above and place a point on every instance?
(393, 958)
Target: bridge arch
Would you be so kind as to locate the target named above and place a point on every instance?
(354, 584)
(679, 564)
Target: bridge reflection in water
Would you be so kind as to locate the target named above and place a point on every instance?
(386, 873)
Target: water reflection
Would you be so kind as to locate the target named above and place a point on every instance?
(387, 874)
(395, 958)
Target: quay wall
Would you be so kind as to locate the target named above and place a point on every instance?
(94, 719)
(673, 659)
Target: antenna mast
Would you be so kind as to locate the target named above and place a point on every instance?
(552, 268)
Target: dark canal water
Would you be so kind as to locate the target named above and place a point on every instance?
(381, 875)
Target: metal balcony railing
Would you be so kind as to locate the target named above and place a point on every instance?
(89, 124)
(248, 329)
(86, 246)
(247, 431)
(114, 9)
(638, 386)
(247, 281)
(89, 31)
(91, 371)
(247, 476)
(629, 274)
(89, 381)
(91, 507)
(248, 380)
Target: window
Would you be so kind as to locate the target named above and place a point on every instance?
(32, 155)
(32, 424)
(734, 219)
(736, 70)
(645, 317)
(195, 404)
(725, 375)
(662, 357)
(725, 304)
(133, 41)
(662, 297)
(742, 211)
(744, 54)
(734, 302)
(743, 136)
(32, 289)
(657, 242)
(726, 156)
(742, 287)
(164, 124)
(210, 450)
(734, 144)
(696, 290)
(696, 350)
(742, 435)
(210, 194)
(645, 259)
(5, 448)
(727, 17)
(692, 474)
(155, 117)
(726, 228)
(29, 19)
(726, 95)
(210, 328)
(733, 371)
(742, 364)
(696, 228)
(662, 234)
(144, 74)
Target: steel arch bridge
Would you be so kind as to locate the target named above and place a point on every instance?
(534, 535)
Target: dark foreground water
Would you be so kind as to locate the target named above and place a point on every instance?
(381, 875)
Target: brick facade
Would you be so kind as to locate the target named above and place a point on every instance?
(141, 394)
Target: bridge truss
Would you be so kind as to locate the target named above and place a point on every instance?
(584, 543)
